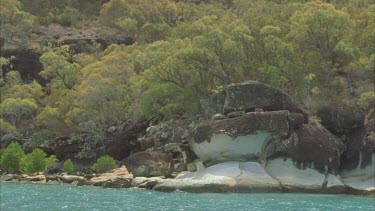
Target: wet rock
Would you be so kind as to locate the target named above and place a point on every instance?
(250, 95)
(149, 164)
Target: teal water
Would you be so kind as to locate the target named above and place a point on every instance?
(64, 197)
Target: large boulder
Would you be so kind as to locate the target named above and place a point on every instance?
(243, 138)
(149, 164)
(224, 177)
(358, 162)
(310, 145)
(341, 119)
(115, 178)
(251, 95)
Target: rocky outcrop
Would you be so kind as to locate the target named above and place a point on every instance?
(149, 164)
(239, 139)
(224, 177)
(250, 95)
(116, 178)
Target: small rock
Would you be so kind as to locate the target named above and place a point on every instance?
(218, 117)
(191, 167)
(235, 114)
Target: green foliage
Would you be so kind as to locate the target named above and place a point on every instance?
(11, 157)
(36, 161)
(6, 128)
(16, 111)
(104, 163)
(68, 166)
(167, 101)
(367, 100)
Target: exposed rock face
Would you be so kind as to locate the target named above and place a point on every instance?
(310, 144)
(144, 182)
(72, 178)
(358, 162)
(341, 119)
(302, 179)
(224, 177)
(250, 95)
(116, 178)
(149, 164)
(26, 61)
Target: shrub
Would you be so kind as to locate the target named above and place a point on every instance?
(68, 166)
(11, 157)
(103, 164)
(36, 161)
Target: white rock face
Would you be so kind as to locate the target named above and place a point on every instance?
(223, 147)
(361, 179)
(228, 176)
(293, 178)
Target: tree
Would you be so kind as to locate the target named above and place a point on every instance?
(16, 110)
(68, 166)
(103, 164)
(11, 157)
(36, 161)
(57, 66)
(320, 27)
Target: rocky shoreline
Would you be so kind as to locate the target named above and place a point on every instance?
(257, 139)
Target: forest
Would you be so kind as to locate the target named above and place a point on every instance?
(163, 56)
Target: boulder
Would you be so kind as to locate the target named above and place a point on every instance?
(115, 178)
(71, 178)
(144, 182)
(243, 138)
(250, 95)
(341, 119)
(224, 177)
(8, 177)
(149, 164)
(311, 144)
(33, 178)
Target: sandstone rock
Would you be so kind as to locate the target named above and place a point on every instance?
(71, 178)
(191, 167)
(250, 95)
(235, 114)
(149, 164)
(341, 119)
(116, 178)
(34, 178)
(224, 177)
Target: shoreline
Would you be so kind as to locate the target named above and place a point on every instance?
(348, 191)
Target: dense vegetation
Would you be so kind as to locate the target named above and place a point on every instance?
(320, 52)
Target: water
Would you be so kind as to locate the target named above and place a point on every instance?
(64, 197)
